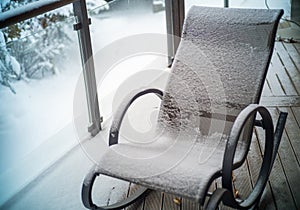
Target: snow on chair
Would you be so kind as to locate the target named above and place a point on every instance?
(208, 111)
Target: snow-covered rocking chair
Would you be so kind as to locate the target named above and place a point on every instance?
(208, 111)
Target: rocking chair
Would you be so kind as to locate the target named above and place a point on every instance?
(207, 114)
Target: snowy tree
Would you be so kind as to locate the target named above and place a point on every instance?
(96, 6)
(39, 53)
(31, 49)
(9, 67)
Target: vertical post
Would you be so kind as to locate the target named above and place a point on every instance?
(181, 14)
(226, 3)
(82, 26)
(178, 18)
(169, 22)
(175, 19)
(295, 10)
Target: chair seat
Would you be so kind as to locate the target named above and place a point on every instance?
(218, 70)
(171, 164)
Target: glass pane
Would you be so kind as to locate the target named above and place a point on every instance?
(39, 70)
(117, 21)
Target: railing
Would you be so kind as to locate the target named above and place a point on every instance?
(82, 26)
(174, 24)
(174, 19)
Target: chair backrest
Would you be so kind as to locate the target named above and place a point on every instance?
(219, 68)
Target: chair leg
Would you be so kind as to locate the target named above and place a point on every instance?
(86, 194)
(218, 196)
(253, 199)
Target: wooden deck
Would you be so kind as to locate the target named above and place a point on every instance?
(281, 93)
(59, 186)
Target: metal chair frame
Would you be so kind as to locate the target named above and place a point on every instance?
(224, 194)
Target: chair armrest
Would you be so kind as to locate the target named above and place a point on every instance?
(233, 139)
(118, 117)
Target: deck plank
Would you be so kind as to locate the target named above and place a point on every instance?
(288, 65)
(255, 160)
(289, 83)
(279, 183)
(153, 201)
(187, 204)
(267, 90)
(289, 161)
(139, 205)
(297, 47)
(279, 101)
(243, 181)
(296, 113)
(293, 53)
(282, 195)
(169, 203)
(293, 132)
(274, 83)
